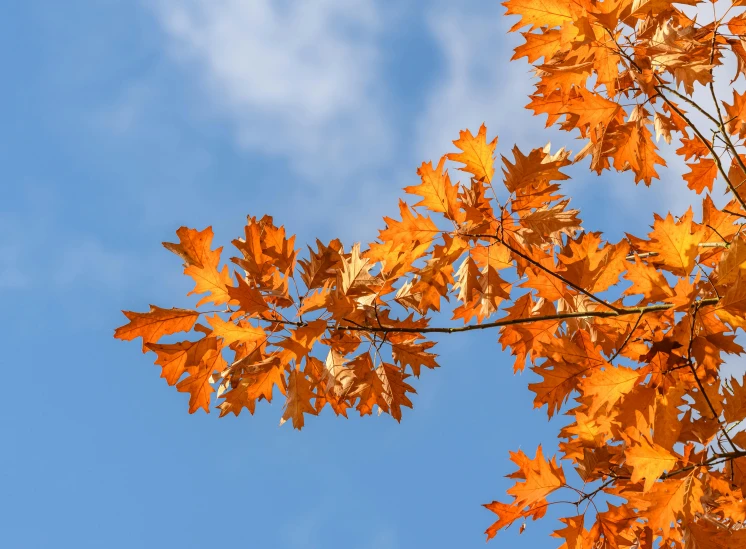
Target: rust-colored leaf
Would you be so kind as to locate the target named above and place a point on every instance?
(154, 324)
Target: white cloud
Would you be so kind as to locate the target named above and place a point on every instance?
(479, 84)
(299, 79)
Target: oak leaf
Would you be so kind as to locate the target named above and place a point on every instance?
(198, 383)
(542, 477)
(437, 192)
(550, 13)
(230, 332)
(675, 243)
(202, 264)
(476, 154)
(174, 358)
(298, 402)
(702, 175)
(648, 461)
(608, 386)
(154, 324)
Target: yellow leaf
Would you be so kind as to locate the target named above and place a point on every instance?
(675, 242)
(539, 13)
(477, 155)
(437, 192)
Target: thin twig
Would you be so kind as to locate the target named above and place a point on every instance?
(545, 269)
(693, 369)
(626, 340)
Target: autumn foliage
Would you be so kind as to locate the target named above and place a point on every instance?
(626, 338)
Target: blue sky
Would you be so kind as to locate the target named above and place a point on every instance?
(124, 120)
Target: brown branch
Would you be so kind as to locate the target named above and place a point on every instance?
(626, 340)
(693, 369)
(524, 320)
(735, 214)
(618, 312)
(683, 97)
(590, 495)
(631, 256)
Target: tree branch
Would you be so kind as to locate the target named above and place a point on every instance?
(546, 270)
(693, 369)
(525, 320)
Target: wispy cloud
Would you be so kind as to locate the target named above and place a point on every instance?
(478, 83)
(298, 79)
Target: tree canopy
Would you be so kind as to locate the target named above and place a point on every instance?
(627, 338)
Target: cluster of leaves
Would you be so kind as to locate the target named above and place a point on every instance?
(627, 339)
(647, 52)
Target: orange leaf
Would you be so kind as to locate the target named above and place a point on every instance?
(539, 13)
(175, 358)
(298, 400)
(736, 114)
(648, 461)
(394, 389)
(197, 384)
(151, 326)
(542, 477)
(573, 533)
(675, 242)
(507, 514)
(232, 333)
(249, 298)
(536, 168)
(702, 176)
(437, 192)
(477, 155)
(608, 386)
(648, 281)
(257, 381)
(411, 228)
(413, 354)
(202, 264)
(543, 44)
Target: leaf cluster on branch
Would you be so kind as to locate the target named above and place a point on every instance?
(627, 338)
